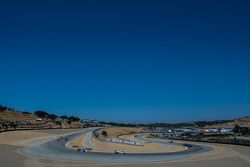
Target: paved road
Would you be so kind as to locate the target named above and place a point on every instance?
(87, 141)
(53, 149)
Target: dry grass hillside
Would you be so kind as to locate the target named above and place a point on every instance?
(13, 116)
(113, 132)
(244, 122)
(11, 120)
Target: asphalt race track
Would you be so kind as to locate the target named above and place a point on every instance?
(54, 149)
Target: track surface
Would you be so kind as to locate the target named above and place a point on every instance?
(52, 149)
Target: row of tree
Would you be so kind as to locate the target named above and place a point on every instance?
(241, 130)
(43, 114)
(4, 108)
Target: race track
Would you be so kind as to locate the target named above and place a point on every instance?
(53, 149)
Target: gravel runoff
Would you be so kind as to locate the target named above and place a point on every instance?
(53, 149)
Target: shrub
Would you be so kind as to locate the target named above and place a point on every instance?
(104, 133)
(41, 114)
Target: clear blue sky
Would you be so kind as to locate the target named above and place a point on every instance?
(127, 61)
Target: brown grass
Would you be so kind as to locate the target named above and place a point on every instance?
(113, 132)
(14, 116)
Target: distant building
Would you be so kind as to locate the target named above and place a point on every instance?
(226, 131)
(40, 121)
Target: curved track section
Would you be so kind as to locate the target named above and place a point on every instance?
(52, 149)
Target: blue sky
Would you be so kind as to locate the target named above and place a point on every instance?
(127, 61)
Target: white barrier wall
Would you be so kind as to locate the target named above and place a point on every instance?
(123, 142)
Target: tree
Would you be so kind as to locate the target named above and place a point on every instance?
(4, 108)
(241, 130)
(52, 116)
(58, 123)
(41, 114)
(63, 117)
(27, 113)
(236, 129)
(244, 131)
(73, 119)
(104, 133)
